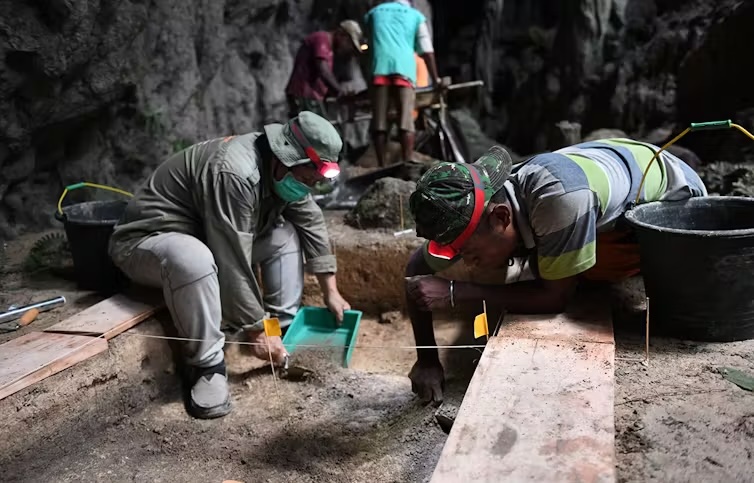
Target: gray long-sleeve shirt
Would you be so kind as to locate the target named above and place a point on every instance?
(220, 192)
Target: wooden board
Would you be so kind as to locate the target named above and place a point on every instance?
(35, 356)
(540, 404)
(109, 317)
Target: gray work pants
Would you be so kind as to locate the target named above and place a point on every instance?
(183, 266)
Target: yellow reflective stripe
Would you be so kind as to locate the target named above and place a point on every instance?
(656, 182)
(596, 176)
(568, 264)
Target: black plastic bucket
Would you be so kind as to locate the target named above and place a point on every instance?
(697, 259)
(88, 227)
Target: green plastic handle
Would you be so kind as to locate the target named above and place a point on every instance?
(75, 186)
(704, 126)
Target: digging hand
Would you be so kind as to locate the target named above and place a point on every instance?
(337, 305)
(428, 381)
(429, 292)
(261, 350)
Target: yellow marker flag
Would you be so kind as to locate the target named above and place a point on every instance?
(480, 326)
(272, 327)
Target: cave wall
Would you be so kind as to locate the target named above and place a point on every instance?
(104, 90)
(647, 67)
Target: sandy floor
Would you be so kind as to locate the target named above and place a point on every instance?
(676, 420)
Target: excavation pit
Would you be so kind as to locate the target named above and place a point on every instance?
(120, 415)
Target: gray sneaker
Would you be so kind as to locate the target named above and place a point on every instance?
(210, 396)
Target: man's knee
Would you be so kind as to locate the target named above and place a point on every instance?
(187, 260)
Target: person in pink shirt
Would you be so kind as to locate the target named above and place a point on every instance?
(312, 78)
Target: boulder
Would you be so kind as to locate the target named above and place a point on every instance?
(105, 90)
(380, 206)
(604, 134)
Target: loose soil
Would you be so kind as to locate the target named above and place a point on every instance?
(120, 416)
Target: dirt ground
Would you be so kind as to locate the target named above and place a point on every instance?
(676, 420)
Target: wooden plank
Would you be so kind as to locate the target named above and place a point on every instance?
(540, 404)
(35, 356)
(580, 324)
(109, 317)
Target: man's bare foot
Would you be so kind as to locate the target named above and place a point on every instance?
(261, 350)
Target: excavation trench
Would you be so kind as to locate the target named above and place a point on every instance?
(120, 415)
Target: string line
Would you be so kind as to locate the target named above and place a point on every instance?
(313, 346)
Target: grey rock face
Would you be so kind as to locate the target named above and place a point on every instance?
(633, 65)
(104, 90)
(380, 206)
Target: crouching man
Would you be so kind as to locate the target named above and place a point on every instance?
(211, 213)
(562, 211)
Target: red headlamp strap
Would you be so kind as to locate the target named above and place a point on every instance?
(308, 149)
(476, 215)
(326, 168)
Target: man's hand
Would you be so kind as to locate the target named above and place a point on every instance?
(428, 381)
(337, 305)
(345, 93)
(261, 350)
(429, 292)
(333, 300)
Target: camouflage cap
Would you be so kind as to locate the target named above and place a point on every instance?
(443, 202)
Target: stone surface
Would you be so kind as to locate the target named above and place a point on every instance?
(380, 207)
(104, 90)
(633, 65)
(732, 179)
(391, 317)
(604, 134)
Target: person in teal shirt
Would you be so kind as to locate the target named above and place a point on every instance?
(395, 31)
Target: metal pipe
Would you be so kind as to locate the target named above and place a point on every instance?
(43, 306)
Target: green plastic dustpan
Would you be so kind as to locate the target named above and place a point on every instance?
(316, 326)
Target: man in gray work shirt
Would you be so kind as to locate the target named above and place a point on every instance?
(213, 211)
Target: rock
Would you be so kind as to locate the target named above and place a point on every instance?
(380, 206)
(393, 317)
(658, 136)
(728, 179)
(105, 91)
(686, 155)
(562, 134)
(19, 168)
(445, 416)
(478, 142)
(604, 134)
(635, 65)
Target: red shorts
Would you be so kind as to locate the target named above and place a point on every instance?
(391, 80)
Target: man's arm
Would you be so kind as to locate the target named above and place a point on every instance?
(328, 76)
(427, 51)
(538, 296)
(421, 320)
(306, 216)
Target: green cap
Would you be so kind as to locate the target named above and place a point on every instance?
(317, 130)
(443, 202)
